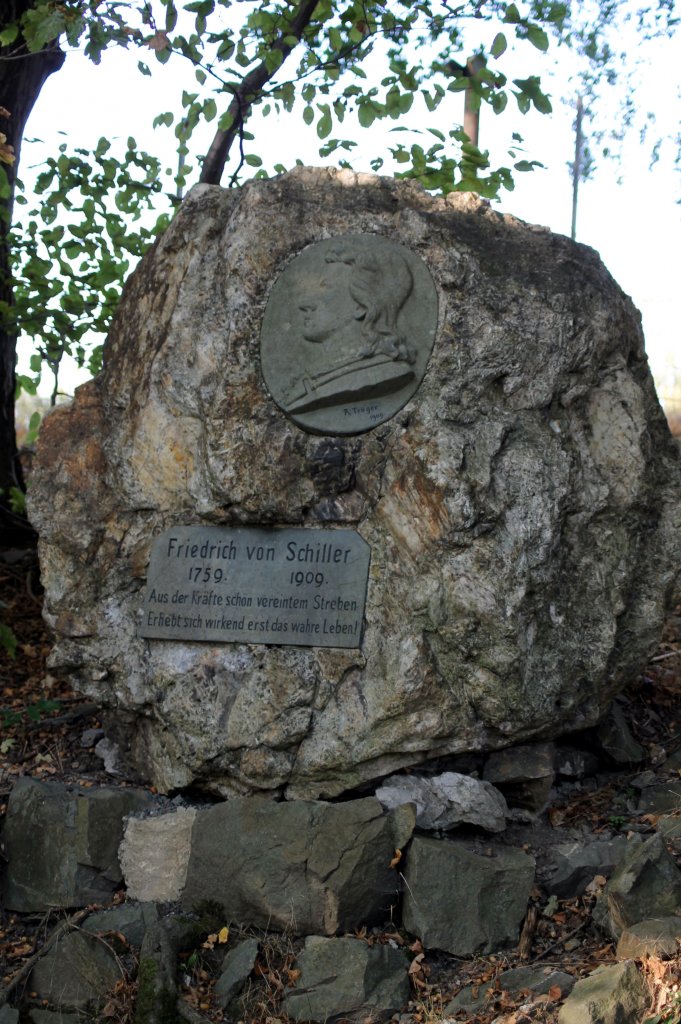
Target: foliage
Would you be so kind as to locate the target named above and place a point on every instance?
(338, 65)
(8, 640)
(34, 713)
(71, 252)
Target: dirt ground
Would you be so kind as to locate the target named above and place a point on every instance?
(48, 732)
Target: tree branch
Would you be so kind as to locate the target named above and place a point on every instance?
(240, 107)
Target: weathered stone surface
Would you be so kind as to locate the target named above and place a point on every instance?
(536, 979)
(576, 865)
(659, 937)
(236, 967)
(522, 509)
(130, 920)
(615, 737)
(525, 774)
(443, 801)
(61, 843)
(38, 1016)
(156, 985)
(612, 994)
(665, 796)
(463, 902)
(154, 855)
(311, 867)
(8, 1015)
(646, 883)
(349, 979)
(77, 972)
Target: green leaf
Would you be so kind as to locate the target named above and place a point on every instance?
(325, 123)
(8, 640)
(499, 45)
(253, 161)
(512, 15)
(8, 35)
(308, 115)
(210, 109)
(538, 37)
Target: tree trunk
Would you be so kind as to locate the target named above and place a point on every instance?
(22, 76)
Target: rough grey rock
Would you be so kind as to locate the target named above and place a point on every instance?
(76, 973)
(612, 994)
(524, 774)
(236, 967)
(313, 868)
(61, 843)
(130, 919)
(522, 510)
(154, 855)
(156, 985)
(573, 763)
(349, 979)
(660, 798)
(8, 1015)
(536, 979)
(646, 883)
(444, 801)
(576, 865)
(38, 1016)
(615, 737)
(659, 937)
(463, 902)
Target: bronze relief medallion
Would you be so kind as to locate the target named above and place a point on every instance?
(347, 333)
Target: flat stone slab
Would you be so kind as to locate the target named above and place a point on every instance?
(462, 902)
(346, 978)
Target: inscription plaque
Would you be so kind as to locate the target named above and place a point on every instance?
(347, 333)
(305, 588)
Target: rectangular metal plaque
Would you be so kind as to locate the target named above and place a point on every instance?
(226, 585)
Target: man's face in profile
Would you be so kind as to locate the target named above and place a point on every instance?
(329, 308)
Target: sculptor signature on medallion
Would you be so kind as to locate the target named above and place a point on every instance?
(347, 333)
(352, 313)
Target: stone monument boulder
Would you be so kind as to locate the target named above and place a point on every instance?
(438, 428)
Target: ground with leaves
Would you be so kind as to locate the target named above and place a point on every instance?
(48, 732)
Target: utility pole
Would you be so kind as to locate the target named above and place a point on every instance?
(471, 102)
(577, 165)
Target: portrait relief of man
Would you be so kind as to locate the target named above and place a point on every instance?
(348, 328)
(352, 312)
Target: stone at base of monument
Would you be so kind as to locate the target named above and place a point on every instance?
(513, 479)
(465, 902)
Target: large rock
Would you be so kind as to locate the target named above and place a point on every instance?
(61, 843)
(78, 971)
(346, 978)
(522, 509)
(462, 901)
(612, 994)
(646, 884)
(308, 867)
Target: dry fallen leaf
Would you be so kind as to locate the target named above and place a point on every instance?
(396, 859)
(555, 993)
(223, 935)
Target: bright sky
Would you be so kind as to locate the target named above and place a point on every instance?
(635, 223)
